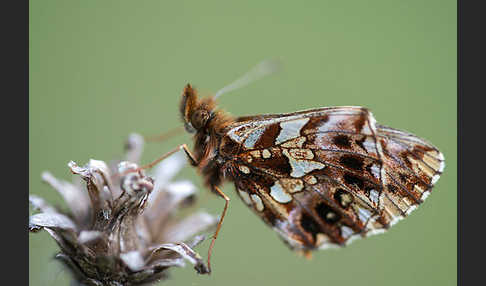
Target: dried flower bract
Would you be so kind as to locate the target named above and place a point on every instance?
(123, 231)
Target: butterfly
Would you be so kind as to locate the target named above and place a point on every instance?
(320, 178)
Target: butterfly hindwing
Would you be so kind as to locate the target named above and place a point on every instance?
(412, 167)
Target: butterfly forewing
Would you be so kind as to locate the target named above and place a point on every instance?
(323, 177)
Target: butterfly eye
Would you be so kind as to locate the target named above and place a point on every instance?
(199, 118)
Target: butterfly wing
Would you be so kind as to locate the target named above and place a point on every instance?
(413, 166)
(323, 177)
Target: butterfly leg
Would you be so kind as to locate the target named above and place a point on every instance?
(221, 194)
(189, 155)
(227, 199)
(165, 135)
(156, 161)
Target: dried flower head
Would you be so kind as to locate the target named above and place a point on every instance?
(123, 230)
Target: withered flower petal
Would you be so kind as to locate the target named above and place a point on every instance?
(123, 228)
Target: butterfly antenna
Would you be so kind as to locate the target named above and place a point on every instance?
(261, 70)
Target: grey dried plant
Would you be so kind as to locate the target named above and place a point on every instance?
(124, 230)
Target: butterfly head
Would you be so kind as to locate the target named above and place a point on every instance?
(196, 112)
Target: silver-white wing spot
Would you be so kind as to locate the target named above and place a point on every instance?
(253, 137)
(258, 202)
(290, 129)
(278, 193)
(245, 197)
(302, 167)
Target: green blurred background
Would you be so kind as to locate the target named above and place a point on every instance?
(102, 69)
